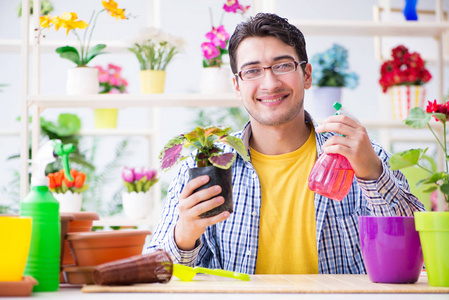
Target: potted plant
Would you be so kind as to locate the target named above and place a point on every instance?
(136, 198)
(403, 78)
(433, 227)
(81, 80)
(330, 74)
(209, 157)
(111, 82)
(68, 193)
(214, 78)
(154, 50)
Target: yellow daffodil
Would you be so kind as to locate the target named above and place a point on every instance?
(111, 8)
(45, 21)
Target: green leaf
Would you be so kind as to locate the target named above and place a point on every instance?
(94, 51)
(237, 144)
(417, 118)
(436, 177)
(444, 188)
(406, 158)
(70, 53)
(430, 189)
(129, 186)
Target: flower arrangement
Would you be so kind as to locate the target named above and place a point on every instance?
(404, 69)
(70, 21)
(216, 46)
(208, 154)
(139, 179)
(154, 49)
(111, 81)
(330, 68)
(60, 184)
(419, 118)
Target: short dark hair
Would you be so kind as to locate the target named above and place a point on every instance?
(263, 25)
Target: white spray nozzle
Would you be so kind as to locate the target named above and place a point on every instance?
(43, 157)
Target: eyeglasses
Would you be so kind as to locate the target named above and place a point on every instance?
(277, 69)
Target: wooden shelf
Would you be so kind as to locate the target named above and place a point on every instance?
(370, 28)
(49, 46)
(137, 100)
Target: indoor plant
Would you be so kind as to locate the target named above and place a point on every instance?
(433, 227)
(330, 74)
(154, 50)
(210, 159)
(81, 80)
(215, 79)
(137, 197)
(68, 193)
(403, 78)
(111, 82)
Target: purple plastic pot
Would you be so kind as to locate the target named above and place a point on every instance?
(391, 249)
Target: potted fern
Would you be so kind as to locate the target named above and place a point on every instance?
(210, 159)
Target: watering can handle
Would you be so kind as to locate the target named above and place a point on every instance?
(223, 273)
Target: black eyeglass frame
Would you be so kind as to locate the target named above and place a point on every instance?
(239, 74)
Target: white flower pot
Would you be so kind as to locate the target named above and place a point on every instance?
(136, 205)
(323, 100)
(404, 97)
(69, 202)
(82, 81)
(216, 80)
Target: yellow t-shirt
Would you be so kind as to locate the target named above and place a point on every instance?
(287, 233)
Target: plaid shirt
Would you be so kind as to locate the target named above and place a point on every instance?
(232, 244)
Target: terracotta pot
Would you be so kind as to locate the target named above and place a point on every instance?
(218, 176)
(94, 248)
(79, 275)
(82, 221)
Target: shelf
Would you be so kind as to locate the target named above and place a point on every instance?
(370, 28)
(49, 46)
(9, 132)
(137, 100)
(117, 132)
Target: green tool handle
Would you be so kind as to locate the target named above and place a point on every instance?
(63, 151)
(223, 273)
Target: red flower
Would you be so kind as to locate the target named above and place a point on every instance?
(434, 107)
(404, 69)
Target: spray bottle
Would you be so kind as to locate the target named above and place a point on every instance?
(332, 174)
(44, 257)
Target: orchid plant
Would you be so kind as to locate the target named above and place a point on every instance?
(216, 46)
(139, 179)
(60, 184)
(70, 21)
(203, 139)
(111, 81)
(330, 68)
(154, 49)
(419, 118)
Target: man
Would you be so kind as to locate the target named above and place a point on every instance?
(278, 225)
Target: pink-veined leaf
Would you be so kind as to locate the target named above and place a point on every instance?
(223, 161)
(237, 144)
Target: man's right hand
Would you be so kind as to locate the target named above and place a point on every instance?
(190, 225)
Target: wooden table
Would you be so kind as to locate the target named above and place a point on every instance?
(260, 287)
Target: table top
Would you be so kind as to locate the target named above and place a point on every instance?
(264, 287)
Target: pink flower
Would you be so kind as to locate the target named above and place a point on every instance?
(128, 174)
(209, 50)
(115, 68)
(218, 36)
(114, 91)
(115, 79)
(234, 6)
(139, 173)
(150, 173)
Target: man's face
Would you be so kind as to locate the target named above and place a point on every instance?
(273, 99)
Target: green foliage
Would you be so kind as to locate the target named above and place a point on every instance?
(72, 54)
(235, 117)
(203, 139)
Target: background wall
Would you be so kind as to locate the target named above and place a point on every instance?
(190, 20)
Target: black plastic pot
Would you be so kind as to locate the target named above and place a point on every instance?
(218, 176)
